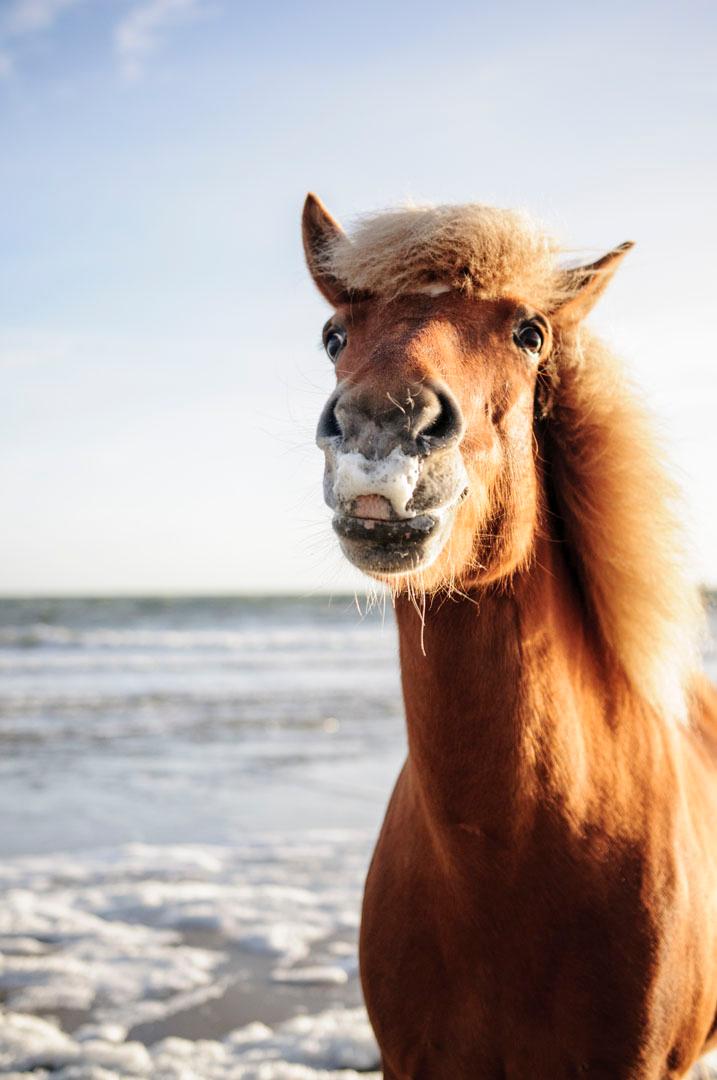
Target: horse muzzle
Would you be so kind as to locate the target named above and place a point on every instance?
(394, 475)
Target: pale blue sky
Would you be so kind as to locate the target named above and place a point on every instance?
(158, 333)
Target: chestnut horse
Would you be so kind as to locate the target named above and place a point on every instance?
(542, 900)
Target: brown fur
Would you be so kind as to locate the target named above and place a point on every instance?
(478, 249)
(619, 507)
(620, 512)
(542, 902)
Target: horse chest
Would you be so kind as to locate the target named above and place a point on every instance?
(548, 970)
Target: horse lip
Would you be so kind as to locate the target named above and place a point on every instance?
(413, 529)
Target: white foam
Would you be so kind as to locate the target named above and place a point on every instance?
(394, 477)
(319, 974)
(103, 932)
(331, 1045)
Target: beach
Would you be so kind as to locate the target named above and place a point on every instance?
(190, 793)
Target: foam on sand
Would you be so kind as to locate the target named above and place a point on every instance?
(101, 943)
(332, 1046)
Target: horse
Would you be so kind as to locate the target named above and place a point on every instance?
(542, 899)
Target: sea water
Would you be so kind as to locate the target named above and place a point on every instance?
(192, 720)
(189, 789)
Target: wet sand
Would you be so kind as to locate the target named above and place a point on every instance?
(252, 996)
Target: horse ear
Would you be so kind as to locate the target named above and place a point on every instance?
(582, 286)
(319, 231)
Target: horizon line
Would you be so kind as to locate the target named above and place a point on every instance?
(709, 591)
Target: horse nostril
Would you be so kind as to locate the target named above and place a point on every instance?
(328, 427)
(447, 424)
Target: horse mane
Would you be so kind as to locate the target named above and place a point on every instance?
(619, 510)
(618, 507)
(478, 249)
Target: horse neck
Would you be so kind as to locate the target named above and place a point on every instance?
(504, 698)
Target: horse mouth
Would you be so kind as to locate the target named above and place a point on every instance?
(388, 547)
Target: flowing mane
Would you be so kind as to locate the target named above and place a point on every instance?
(619, 509)
(620, 516)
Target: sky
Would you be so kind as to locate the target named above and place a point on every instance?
(159, 336)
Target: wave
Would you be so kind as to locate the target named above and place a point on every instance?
(300, 637)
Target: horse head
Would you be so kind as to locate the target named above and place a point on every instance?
(446, 336)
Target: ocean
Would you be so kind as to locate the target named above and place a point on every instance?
(190, 789)
(193, 720)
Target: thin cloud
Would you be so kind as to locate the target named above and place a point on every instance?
(28, 16)
(142, 31)
(24, 18)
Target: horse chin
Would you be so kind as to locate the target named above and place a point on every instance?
(391, 550)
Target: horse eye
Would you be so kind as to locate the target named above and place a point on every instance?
(334, 343)
(529, 338)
